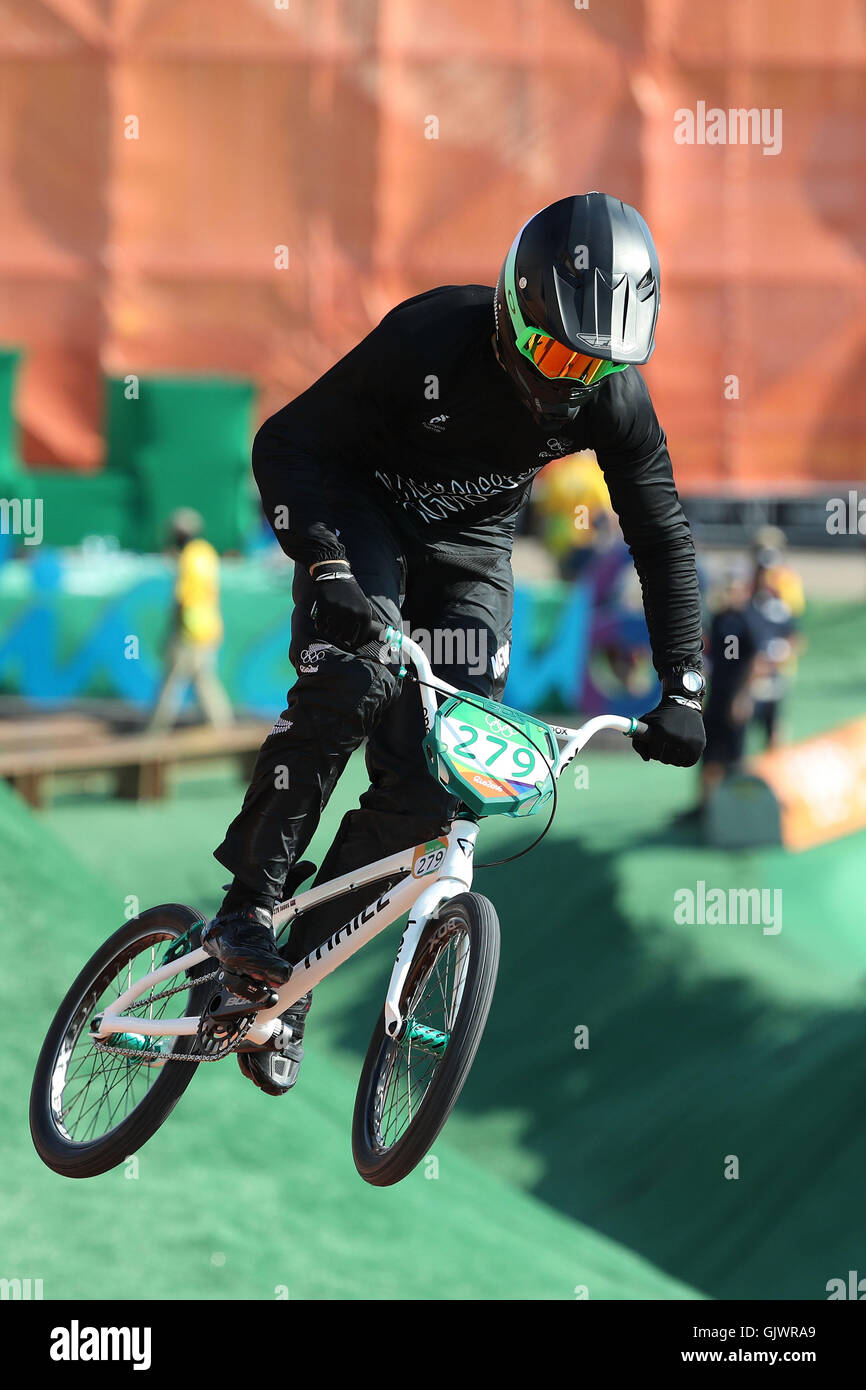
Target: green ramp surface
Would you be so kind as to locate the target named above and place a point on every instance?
(240, 1195)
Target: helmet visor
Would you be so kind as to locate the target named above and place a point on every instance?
(558, 362)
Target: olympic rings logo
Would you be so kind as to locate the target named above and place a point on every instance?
(315, 652)
(495, 725)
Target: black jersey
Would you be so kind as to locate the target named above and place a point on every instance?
(421, 416)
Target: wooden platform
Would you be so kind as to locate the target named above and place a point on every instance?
(140, 761)
(51, 731)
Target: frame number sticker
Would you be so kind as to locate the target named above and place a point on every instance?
(428, 857)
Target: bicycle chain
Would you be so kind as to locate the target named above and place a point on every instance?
(161, 1056)
(165, 1056)
(176, 989)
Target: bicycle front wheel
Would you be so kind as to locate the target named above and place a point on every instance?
(410, 1083)
(91, 1107)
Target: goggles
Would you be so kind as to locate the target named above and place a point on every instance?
(558, 362)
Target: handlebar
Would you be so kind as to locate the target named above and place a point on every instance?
(429, 684)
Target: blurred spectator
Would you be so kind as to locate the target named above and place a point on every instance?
(774, 627)
(196, 629)
(780, 577)
(731, 653)
(572, 502)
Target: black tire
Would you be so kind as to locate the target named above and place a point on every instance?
(55, 1145)
(380, 1160)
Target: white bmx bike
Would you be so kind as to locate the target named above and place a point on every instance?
(116, 1058)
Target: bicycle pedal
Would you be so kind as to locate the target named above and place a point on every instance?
(239, 991)
(272, 1045)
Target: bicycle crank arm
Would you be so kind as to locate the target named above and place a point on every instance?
(239, 995)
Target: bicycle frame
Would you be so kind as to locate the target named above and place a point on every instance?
(432, 873)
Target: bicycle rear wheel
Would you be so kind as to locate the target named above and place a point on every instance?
(90, 1108)
(410, 1083)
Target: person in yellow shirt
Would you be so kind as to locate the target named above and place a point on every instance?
(572, 499)
(768, 552)
(197, 628)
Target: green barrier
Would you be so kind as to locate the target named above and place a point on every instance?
(186, 440)
(76, 505)
(10, 467)
(171, 442)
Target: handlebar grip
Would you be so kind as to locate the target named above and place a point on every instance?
(639, 728)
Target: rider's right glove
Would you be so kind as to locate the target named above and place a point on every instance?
(675, 733)
(342, 612)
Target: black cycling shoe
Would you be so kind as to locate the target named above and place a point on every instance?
(275, 1069)
(243, 942)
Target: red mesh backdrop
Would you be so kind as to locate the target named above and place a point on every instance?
(306, 125)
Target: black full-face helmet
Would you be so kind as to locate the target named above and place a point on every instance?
(577, 299)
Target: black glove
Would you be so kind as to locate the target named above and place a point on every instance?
(676, 733)
(342, 612)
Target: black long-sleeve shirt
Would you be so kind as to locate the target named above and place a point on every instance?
(422, 416)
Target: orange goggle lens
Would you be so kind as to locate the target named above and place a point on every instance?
(558, 362)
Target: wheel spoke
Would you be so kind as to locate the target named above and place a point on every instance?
(94, 1088)
(407, 1065)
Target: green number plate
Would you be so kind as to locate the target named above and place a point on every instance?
(497, 760)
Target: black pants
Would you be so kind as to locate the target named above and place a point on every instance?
(460, 610)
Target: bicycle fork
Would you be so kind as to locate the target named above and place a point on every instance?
(455, 876)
